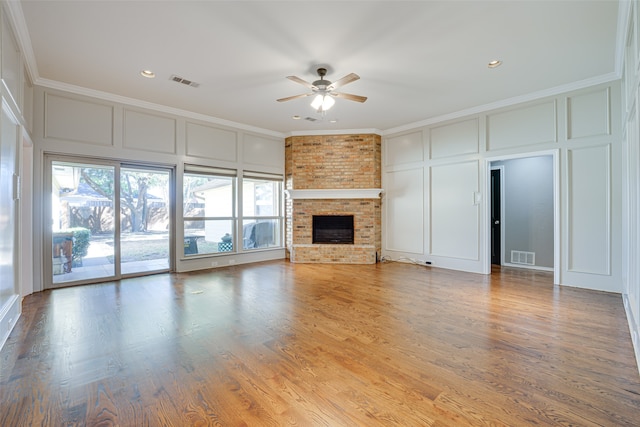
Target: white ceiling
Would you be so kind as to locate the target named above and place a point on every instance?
(418, 60)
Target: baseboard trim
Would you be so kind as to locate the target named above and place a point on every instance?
(9, 315)
(528, 267)
(634, 329)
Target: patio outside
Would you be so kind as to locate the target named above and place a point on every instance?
(84, 221)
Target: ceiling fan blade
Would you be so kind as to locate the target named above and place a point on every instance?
(343, 81)
(349, 96)
(302, 82)
(289, 98)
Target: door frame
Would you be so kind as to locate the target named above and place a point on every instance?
(171, 209)
(555, 154)
(48, 159)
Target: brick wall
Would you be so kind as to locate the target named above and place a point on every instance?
(333, 162)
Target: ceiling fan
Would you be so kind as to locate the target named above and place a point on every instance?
(324, 90)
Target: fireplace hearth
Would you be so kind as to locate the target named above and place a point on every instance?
(333, 229)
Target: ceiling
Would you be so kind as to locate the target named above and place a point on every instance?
(419, 61)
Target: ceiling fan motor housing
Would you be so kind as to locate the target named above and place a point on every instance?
(322, 83)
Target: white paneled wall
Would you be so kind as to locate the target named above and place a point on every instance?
(589, 210)
(13, 118)
(81, 125)
(405, 205)
(588, 114)
(577, 128)
(454, 139)
(210, 142)
(404, 149)
(11, 63)
(404, 194)
(147, 132)
(261, 152)
(76, 120)
(454, 210)
(522, 126)
(630, 187)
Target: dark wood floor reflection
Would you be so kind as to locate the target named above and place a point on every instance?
(279, 344)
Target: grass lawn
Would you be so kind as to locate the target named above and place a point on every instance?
(148, 249)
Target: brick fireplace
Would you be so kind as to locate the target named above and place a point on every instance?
(333, 175)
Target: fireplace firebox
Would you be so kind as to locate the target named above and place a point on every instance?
(337, 229)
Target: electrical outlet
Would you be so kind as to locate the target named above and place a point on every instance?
(214, 263)
(232, 261)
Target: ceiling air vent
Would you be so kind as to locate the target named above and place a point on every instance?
(311, 119)
(184, 81)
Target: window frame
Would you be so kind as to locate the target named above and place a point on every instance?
(212, 172)
(277, 204)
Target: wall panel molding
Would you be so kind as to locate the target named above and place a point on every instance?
(69, 119)
(149, 132)
(527, 125)
(455, 213)
(404, 209)
(589, 114)
(211, 142)
(589, 190)
(455, 139)
(261, 150)
(403, 149)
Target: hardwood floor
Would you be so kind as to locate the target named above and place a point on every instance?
(279, 344)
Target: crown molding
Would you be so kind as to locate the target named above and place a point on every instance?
(533, 96)
(15, 14)
(52, 84)
(624, 11)
(13, 9)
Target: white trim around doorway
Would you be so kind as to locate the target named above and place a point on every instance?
(556, 208)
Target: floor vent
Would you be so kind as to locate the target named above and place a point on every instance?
(522, 257)
(179, 79)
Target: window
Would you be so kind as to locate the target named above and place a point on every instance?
(211, 225)
(261, 211)
(209, 210)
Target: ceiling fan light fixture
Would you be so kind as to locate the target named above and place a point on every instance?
(323, 91)
(327, 102)
(317, 102)
(322, 102)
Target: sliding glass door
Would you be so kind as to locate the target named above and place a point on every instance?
(108, 221)
(82, 239)
(145, 220)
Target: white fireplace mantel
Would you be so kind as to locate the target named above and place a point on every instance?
(350, 193)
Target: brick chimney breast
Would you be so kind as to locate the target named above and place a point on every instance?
(333, 162)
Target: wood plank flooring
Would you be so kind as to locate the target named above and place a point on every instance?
(281, 344)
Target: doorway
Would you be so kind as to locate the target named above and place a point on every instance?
(108, 220)
(522, 212)
(496, 214)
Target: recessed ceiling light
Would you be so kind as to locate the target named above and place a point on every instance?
(333, 121)
(495, 63)
(296, 117)
(148, 74)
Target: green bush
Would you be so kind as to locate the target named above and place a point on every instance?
(81, 240)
